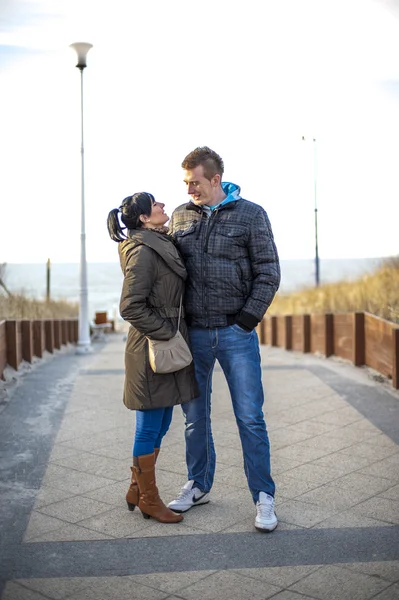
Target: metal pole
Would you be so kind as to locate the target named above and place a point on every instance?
(48, 280)
(83, 345)
(317, 261)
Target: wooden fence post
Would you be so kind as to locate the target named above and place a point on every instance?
(329, 335)
(49, 335)
(13, 337)
(263, 330)
(57, 334)
(306, 333)
(3, 348)
(27, 340)
(64, 332)
(76, 331)
(395, 358)
(288, 332)
(359, 345)
(273, 341)
(38, 338)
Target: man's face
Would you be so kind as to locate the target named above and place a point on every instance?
(201, 190)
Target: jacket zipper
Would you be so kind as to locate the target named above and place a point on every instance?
(209, 227)
(203, 216)
(211, 224)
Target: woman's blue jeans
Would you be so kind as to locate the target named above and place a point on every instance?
(237, 352)
(151, 426)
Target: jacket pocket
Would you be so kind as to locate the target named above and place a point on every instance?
(229, 242)
(186, 240)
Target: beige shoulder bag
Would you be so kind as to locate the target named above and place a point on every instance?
(170, 355)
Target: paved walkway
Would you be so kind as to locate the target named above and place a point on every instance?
(65, 444)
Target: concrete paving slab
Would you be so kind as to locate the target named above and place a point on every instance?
(228, 586)
(75, 509)
(341, 417)
(328, 583)
(40, 524)
(172, 582)
(372, 451)
(348, 519)
(283, 437)
(303, 513)
(316, 473)
(379, 508)
(120, 588)
(57, 589)
(155, 529)
(341, 462)
(287, 595)
(388, 570)
(388, 467)
(15, 591)
(291, 487)
(391, 593)
(282, 577)
(302, 453)
(392, 493)
(116, 522)
(335, 498)
(72, 481)
(346, 492)
(110, 494)
(48, 495)
(110, 468)
(68, 533)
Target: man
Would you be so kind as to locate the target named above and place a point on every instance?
(233, 274)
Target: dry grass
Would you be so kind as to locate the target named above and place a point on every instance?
(22, 307)
(377, 293)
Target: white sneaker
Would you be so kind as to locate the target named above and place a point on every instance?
(187, 497)
(266, 519)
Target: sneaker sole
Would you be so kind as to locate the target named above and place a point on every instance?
(179, 510)
(263, 530)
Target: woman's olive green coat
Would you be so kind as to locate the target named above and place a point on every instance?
(154, 276)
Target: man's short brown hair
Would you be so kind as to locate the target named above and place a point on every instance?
(206, 157)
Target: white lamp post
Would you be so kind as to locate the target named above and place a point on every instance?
(83, 345)
(316, 259)
(316, 233)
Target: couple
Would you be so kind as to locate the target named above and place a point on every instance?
(230, 274)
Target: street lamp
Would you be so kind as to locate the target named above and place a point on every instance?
(317, 260)
(83, 346)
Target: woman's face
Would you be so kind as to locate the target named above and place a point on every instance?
(158, 217)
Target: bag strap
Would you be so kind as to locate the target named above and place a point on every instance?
(178, 322)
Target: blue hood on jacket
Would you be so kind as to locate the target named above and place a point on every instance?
(232, 191)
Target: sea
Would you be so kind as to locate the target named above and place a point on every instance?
(105, 279)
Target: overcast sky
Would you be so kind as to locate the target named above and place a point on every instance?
(249, 79)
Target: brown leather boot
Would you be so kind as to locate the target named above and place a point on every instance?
(150, 503)
(132, 496)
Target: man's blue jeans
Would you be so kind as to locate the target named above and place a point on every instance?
(237, 352)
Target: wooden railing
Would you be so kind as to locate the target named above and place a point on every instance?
(361, 338)
(23, 339)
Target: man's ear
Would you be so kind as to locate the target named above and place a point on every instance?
(216, 180)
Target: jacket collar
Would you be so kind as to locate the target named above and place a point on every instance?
(200, 209)
(160, 243)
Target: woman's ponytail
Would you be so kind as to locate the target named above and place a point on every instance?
(114, 228)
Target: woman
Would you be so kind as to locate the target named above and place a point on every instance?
(153, 285)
